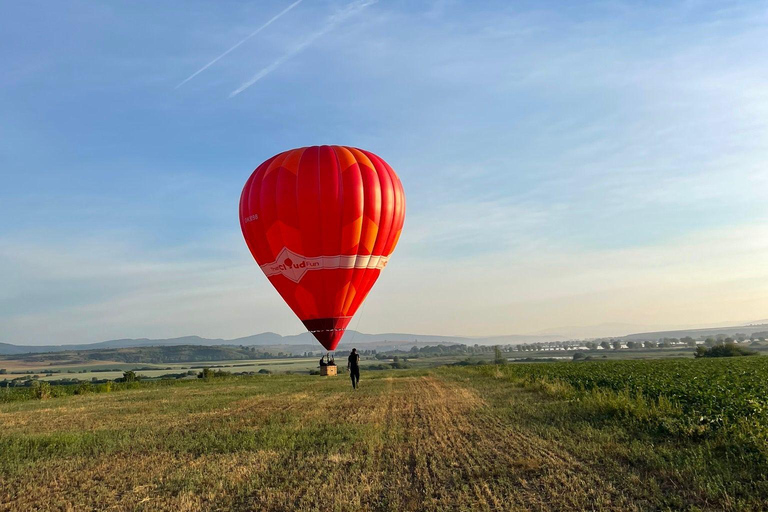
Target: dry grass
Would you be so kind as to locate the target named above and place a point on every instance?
(403, 442)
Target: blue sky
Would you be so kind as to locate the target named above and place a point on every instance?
(566, 165)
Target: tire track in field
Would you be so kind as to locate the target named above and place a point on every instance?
(458, 452)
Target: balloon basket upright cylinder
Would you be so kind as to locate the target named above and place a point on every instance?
(328, 371)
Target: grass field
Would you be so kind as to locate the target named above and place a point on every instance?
(482, 438)
(97, 369)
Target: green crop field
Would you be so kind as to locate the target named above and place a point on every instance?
(615, 435)
(713, 393)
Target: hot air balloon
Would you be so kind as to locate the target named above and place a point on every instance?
(321, 222)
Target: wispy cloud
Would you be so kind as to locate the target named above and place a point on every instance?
(332, 22)
(265, 25)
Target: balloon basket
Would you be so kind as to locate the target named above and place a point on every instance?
(328, 371)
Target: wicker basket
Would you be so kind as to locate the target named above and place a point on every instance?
(328, 370)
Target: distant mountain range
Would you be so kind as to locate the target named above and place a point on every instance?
(618, 330)
(695, 333)
(305, 341)
(298, 341)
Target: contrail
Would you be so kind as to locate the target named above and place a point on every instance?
(332, 22)
(268, 23)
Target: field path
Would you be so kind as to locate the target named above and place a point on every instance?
(446, 449)
(408, 442)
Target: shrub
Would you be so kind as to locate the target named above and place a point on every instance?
(83, 388)
(41, 390)
(209, 373)
(498, 357)
(725, 350)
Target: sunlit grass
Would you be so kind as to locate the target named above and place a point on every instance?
(480, 438)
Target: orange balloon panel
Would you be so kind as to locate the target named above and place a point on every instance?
(321, 222)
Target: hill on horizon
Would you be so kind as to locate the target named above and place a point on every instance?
(695, 333)
(271, 339)
(306, 341)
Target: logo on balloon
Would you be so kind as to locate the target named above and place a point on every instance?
(293, 266)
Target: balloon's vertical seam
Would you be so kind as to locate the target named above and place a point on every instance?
(277, 228)
(285, 173)
(368, 275)
(372, 272)
(319, 206)
(245, 205)
(255, 199)
(395, 211)
(345, 307)
(251, 197)
(399, 211)
(340, 175)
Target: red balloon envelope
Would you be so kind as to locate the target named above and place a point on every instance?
(321, 222)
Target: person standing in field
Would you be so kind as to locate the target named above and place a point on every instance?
(353, 365)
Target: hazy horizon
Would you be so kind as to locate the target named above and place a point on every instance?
(566, 166)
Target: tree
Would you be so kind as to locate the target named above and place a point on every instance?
(710, 341)
(724, 350)
(650, 344)
(579, 356)
(605, 345)
(616, 345)
(688, 341)
(498, 357)
(130, 376)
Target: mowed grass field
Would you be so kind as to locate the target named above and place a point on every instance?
(480, 438)
(100, 369)
(238, 365)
